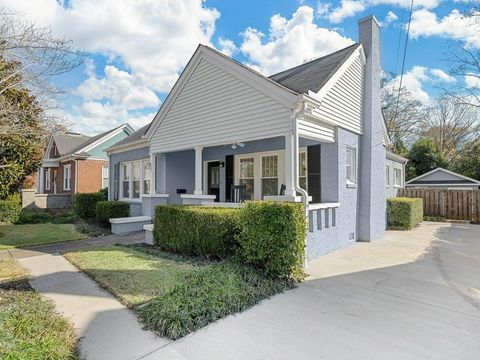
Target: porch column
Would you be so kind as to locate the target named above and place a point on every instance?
(41, 173)
(153, 167)
(289, 165)
(198, 171)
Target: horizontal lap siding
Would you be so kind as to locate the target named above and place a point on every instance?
(215, 107)
(320, 132)
(342, 105)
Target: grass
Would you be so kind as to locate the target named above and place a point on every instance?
(172, 295)
(12, 236)
(29, 326)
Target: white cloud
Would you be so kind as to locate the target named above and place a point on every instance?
(349, 8)
(453, 26)
(472, 81)
(442, 75)
(413, 81)
(389, 18)
(290, 42)
(323, 8)
(227, 46)
(152, 39)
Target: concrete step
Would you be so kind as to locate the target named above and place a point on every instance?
(126, 225)
(148, 234)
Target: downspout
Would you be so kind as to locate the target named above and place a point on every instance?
(296, 182)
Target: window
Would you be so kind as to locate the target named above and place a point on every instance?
(302, 169)
(126, 180)
(398, 177)
(136, 178)
(147, 177)
(66, 176)
(387, 175)
(47, 179)
(104, 176)
(351, 162)
(247, 175)
(269, 175)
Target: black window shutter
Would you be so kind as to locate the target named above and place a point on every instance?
(228, 176)
(313, 172)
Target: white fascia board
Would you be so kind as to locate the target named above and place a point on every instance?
(343, 68)
(445, 171)
(49, 147)
(126, 147)
(105, 138)
(263, 84)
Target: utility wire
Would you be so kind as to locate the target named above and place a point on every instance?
(400, 32)
(404, 57)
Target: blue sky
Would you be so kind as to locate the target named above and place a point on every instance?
(135, 50)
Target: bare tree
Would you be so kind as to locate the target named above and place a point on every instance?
(36, 53)
(451, 124)
(401, 111)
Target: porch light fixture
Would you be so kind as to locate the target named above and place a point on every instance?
(240, 144)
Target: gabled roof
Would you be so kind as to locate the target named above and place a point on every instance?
(69, 143)
(313, 75)
(453, 179)
(132, 138)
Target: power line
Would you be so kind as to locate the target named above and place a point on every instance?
(404, 57)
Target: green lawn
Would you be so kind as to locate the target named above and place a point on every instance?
(29, 326)
(172, 295)
(12, 236)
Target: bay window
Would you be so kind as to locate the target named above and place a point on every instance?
(136, 179)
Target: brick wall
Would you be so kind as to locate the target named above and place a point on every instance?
(90, 175)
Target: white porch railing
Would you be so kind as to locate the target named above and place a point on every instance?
(322, 216)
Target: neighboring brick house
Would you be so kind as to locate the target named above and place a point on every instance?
(76, 163)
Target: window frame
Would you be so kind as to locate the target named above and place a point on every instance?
(303, 151)
(353, 166)
(262, 177)
(67, 180)
(47, 175)
(130, 167)
(107, 178)
(395, 170)
(387, 175)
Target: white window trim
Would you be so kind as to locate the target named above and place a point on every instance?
(387, 180)
(47, 179)
(395, 178)
(257, 168)
(107, 177)
(69, 178)
(354, 165)
(130, 180)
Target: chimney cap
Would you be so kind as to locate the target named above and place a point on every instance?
(368, 18)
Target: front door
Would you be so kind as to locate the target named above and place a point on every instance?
(213, 179)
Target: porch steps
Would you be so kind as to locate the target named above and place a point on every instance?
(122, 226)
(148, 234)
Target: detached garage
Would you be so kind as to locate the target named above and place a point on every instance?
(443, 179)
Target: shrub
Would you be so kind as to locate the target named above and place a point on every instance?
(33, 217)
(404, 213)
(210, 293)
(435, 218)
(104, 193)
(272, 237)
(10, 208)
(84, 204)
(196, 230)
(105, 210)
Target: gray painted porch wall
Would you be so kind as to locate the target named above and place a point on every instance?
(391, 190)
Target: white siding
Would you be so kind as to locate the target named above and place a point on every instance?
(215, 107)
(316, 131)
(342, 104)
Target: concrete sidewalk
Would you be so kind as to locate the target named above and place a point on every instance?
(106, 328)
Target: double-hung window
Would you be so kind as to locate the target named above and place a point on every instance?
(269, 175)
(47, 179)
(387, 175)
(104, 176)
(398, 177)
(351, 163)
(247, 175)
(302, 169)
(67, 174)
(136, 178)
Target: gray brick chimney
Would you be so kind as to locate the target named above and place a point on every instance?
(372, 203)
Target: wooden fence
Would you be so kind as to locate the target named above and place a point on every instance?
(452, 204)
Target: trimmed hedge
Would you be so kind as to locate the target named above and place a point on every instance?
(84, 204)
(268, 235)
(42, 217)
(196, 230)
(404, 213)
(10, 208)
(272, 237)
(105, 210)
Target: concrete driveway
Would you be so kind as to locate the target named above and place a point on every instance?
(411, 295)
